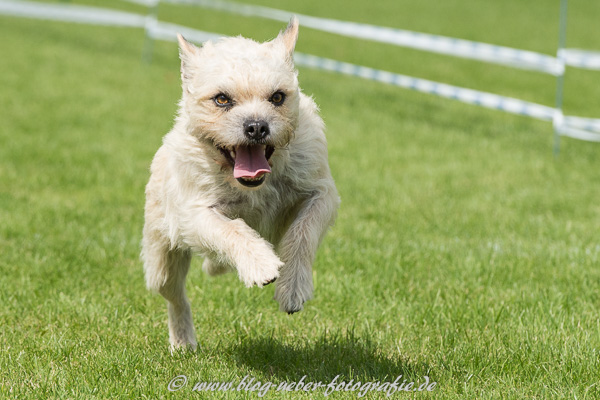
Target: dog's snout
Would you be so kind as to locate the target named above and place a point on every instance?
(256, 129)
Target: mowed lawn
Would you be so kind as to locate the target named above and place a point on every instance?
(464, 250)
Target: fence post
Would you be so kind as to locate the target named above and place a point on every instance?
(558, 119)
(151, 21)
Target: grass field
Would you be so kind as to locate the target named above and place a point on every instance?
(463, 251)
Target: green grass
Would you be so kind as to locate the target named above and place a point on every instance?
(463, 251)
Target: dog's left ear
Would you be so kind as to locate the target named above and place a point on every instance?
(289, 37)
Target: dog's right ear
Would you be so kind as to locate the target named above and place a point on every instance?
(290, 36)
(188, 53)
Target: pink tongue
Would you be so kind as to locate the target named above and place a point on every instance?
(250, 162)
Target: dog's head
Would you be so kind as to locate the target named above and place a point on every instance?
(242, 97)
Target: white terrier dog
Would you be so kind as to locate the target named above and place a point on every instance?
(242, 177)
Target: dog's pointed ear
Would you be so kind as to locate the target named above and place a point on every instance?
(188, 52)
(289, 37)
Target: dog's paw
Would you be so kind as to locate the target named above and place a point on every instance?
(182, 348)
(183, 344)
(271, 281)
(260, 271)
(291, 301)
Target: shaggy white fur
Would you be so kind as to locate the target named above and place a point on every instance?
(266, 226)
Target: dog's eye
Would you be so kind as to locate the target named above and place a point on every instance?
(277, 99)
(222, 100)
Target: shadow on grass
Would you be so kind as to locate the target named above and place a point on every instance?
(323, 358)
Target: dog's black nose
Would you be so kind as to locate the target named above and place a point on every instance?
(256, 130)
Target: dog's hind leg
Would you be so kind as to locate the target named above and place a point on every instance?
(213, 268)
(298, 247)
(166, 270)
(181, 325)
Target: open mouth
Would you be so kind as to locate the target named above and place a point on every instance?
(250, 162)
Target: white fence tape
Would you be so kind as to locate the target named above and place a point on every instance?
(421, 41)
(576, 127)
(71, 13)
(576, 133)
(147, 3)
(588, 124)
(469, 96)
(581, 58)
(416, 40)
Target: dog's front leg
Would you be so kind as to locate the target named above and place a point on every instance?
(236, 243)
(299, 246)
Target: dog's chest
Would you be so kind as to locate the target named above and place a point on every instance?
(268, 210)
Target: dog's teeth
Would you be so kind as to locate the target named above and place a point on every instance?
(232, 154)
(252, 179)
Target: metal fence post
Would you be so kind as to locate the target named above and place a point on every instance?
(151, 21)
(558, 119)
